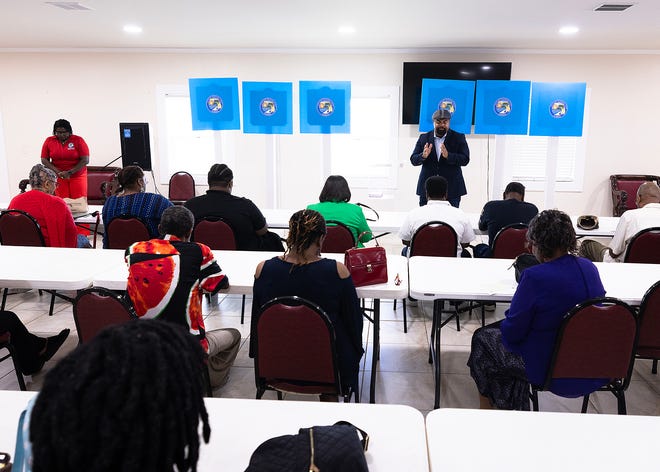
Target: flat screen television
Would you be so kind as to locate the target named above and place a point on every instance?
(414, 72)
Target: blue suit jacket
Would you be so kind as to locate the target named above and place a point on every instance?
(450, 168)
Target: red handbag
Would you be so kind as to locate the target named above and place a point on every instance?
(367, 265)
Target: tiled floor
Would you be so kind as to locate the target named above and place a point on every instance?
(404, 376)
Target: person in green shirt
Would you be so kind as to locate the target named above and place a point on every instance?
(333, 205)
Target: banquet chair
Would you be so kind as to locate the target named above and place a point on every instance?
(610, 326)
(125, 230)
(624, 190)
(217, 233)
(19, 228)
(648, 343)
(436, 239)
(181, 188)
(644, 247)
(101, 181)
(5, 343)
(296, 350)
(96, 308)
(510, 241)
(338, 238)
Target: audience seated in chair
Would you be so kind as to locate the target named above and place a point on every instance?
(624, 188)
(508, 355)
(130, 199)
(130, 400)
(249, 225)
(646, 215)
(302, 272)
(497, 214)
(166, 280)
(438, 209)
(51, 212)
(334, 206)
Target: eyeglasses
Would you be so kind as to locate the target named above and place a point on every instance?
(61, 132)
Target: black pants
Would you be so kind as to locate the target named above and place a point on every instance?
(26, 345)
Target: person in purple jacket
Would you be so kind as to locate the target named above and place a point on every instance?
(509, 355)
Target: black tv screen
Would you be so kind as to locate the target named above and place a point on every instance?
(414, 72)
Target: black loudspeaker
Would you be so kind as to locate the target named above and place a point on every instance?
(135, 148)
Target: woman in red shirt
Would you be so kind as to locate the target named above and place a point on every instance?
(68, 155)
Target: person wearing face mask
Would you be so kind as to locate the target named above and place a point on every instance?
(131, 199)
(443, 152)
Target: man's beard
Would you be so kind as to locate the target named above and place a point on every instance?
(439, 133)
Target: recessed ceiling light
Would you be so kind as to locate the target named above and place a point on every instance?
(568, 30)
(346, 29)
(133, 29)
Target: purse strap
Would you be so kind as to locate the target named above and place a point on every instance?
(369, 208)
(365, 437)
(359, 238)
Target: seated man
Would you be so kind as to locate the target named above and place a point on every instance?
(51, 212)
(249, 225)
(646, 215)
(166, 280)
(438, 209)
(497, 214)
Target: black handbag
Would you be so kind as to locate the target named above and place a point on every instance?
(522, 262)
(335, 448)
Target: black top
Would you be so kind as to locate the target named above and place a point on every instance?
(240, 213)
(500, 213)
(319, 283)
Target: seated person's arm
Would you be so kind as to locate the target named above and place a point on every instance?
(260, 266)
(483, 220)
(342, 270)
(262, 231)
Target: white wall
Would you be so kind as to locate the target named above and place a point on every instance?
(96, 91)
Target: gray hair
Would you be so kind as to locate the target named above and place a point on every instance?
(40, 174)
(176, 220)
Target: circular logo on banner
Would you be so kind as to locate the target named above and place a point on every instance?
(214, 104)
(447, 104)
(325, 107)
(558, 109)
(268, 106)
(502, 106)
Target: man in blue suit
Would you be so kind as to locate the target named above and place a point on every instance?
(441, 152)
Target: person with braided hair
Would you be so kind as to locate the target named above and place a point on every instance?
(132, 199)
(301, 271)
(129, 400)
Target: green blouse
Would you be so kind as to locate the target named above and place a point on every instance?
(349, 214)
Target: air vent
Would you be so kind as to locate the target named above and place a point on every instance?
(69, 5)
(614, 7)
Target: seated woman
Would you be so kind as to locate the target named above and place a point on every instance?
(302, 272)
(508, 355)
(130, 199)
(131, 399)
(31, 351)
(333, 205)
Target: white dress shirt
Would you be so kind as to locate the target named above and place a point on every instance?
(438, 210)
(631, 223)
